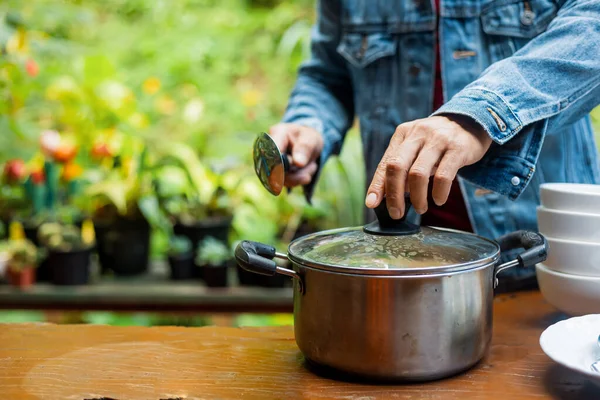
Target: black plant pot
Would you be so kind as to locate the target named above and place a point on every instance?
(217, 227)
(198, 273)
(44, 271)
(182, 267)
(69, 268)
(123, 246)
(215, 276)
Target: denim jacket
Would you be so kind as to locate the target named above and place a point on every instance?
(527, 70)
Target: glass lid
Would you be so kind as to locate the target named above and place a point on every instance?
(393, 247)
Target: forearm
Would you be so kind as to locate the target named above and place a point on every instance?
(322, 97)
(313, 103)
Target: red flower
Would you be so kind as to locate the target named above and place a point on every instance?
(100, 151)
(32, 68)
(15, 170)
(38, 177)
(65, 153)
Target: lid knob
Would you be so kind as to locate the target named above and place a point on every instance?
(387, 226)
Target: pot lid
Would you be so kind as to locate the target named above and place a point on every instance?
(393, 247)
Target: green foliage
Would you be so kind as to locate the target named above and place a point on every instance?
(219, 73)
(212, 253)
(596, 122)
(22, 254)
(64, 238)
(179, 245)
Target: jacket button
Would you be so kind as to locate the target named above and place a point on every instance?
(515, 180)
(527, 17)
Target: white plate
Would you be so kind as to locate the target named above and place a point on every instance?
(571, 197)
(572, 343)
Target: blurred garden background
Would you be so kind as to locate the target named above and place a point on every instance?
(126, 116)
(127, 125)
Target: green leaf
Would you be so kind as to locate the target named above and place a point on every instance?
(249, 224)
(204, 181)
(97, 68)
(112, 191)
(52, 171)
(151, 210)
(172, 181)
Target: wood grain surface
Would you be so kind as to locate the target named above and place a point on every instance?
(44, 361)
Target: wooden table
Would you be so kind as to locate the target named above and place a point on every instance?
(94, 362)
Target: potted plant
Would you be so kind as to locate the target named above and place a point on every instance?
(22, 262)
(68, 253)
(181, 258)
(213, 257)
(124, 209)
(192, 195)
(49, 182)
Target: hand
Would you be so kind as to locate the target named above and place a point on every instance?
(436, 146)
(305, 145)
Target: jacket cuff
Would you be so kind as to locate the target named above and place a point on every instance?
(488, 109)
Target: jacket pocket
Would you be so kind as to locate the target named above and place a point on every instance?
(519, 19)
(361, 50)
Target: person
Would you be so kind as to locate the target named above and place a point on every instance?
(467, 105)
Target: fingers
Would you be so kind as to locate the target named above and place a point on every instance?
(302, 176)
(396, 172)
(377, 187)
(435, 146)
(444, 176)
(418, 176)
(303, 144)
(303, 149)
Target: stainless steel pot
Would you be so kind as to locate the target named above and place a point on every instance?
(392, 300)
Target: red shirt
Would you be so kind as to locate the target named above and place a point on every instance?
(454, 213)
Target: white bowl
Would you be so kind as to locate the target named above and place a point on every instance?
(573, 257)
(571, 294)
(569, 225)
(571, 197)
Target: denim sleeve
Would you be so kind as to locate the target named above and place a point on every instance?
(322, 96)
(550, 83)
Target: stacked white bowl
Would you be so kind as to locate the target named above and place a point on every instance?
(569, 218)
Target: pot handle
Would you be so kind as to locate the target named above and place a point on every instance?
(258, 258)
(535, 245)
